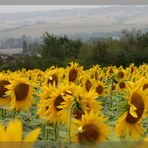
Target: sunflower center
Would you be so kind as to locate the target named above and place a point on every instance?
(99, 89)
(132, 69)
(120, 74)
(111, 71)
(145, 86)
(3, 90)
(54, 78)
(78, 113)
(122, 85)
(21, 91)
(88, 85)
(137, 101)
(89, 133)
(96, 75)
(113, 87)
(72, 75)
(46, 108)
(58, 101)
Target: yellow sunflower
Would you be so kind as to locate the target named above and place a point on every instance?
(21, 92)
(129, 124)
(87, 82)
(143, 83)
(4, 98)
(121, 85)
(100, 88)
(49, 104)
(53, 75)
(96, 72)
(90, 128)
(73, 72)
(84, 102)
(12, 135)
(43, 106)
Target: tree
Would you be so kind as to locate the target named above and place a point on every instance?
(52, 53)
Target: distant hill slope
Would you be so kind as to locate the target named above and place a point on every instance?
(106, 21)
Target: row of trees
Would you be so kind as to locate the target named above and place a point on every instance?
(131, 47)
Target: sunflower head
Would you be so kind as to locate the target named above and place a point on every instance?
(21, 92)
(87, 82)
(4, 82)
(90, 129)
(53, 75)
(129, 124)
(8, 134)
(101, 88)
(74, 72)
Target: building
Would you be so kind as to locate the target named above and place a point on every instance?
(8, 55)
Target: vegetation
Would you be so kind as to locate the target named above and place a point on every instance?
(131, 47)
(100, 105)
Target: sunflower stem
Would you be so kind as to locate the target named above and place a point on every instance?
(111, 95)
(55, 131)
(14, 114)
(69, 121)
(47, 133)
(118, 107)
(44, 127)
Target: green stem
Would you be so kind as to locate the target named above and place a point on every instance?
(44, 126)
(5, 112)
(117, 107)
(14, 114)
(69, 121)
(55, 132)
(47, 133)
(111, 95)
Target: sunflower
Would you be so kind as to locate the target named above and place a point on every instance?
(109, 71)
(73, 72)
(121, 75)
(43, 105)
(21, 93)
(4, 98)
(90, 129)
(49, 104)
(83, 102)
(87, 82)
(8, 134)
(100, 88)
(53, 75)
(35, 76)
(144, 84)
(121, 85)
(96, 72)
(130, 123)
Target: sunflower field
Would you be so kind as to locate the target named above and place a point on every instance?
(74, 105)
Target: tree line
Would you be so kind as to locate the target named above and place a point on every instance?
(130, 47)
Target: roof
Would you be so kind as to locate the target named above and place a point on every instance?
(11, 51)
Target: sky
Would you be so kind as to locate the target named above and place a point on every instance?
(28, 8)
(106, 18)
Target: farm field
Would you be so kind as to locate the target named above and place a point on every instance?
(73, 104)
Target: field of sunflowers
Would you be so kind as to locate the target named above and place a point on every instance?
(97, 105)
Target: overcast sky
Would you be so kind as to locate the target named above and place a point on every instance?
(28, 8)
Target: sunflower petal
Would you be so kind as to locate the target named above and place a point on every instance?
(132, 111)
(32, 136)
(10, 134)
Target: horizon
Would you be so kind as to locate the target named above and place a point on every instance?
(34, 20)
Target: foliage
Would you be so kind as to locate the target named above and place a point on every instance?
(131, 47)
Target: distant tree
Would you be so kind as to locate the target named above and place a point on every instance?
(52, 53)
(59, 50)
(24, 46)
(100, 53)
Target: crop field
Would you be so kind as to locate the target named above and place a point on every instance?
(74, 105)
